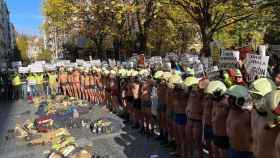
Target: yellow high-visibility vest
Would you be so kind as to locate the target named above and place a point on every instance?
(52, 79)
(39, 79)
(16, 81)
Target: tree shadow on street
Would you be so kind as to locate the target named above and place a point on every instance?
(137, 145)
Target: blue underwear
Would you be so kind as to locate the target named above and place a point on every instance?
(232, 153)
(180, 119)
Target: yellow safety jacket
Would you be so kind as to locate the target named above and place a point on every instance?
(16, 81)
(39, 79)
(52, 79)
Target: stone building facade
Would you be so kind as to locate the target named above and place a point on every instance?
(7, 33)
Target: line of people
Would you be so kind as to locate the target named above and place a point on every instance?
(201, 116)
(192, 116)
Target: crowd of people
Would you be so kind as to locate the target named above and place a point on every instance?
(224, 118)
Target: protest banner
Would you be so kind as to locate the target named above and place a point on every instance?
(50, 67)
(62, 62)
(155, 61)
(256, 66)
(172, 56)
(40, 62)
(23, 70)
(229, 59)
(213, 73)
(198, 70)
(36, 68)
(80, 61)
(215, 49)
(97, 63)
(112, 62)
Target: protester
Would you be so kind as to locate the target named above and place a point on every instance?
(16, 82)
(192, 112)
(31, 85)
(53, 85)
(239, 123)
(39, 83)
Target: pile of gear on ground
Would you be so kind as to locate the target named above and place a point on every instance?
(55, 116)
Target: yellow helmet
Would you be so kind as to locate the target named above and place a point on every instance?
(190, 81)
(215, 86)
(262, 86)
(271, 107)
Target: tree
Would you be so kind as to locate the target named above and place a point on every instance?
(45, 55)
(214, 15)
(22, 46)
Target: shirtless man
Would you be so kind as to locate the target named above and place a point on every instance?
(207, 137)
(162, 108)
(69, 83)
(239, 123)
(180, 119)
(99, 85)
(135, 88)
(114, 93)
(82, 78)
(62, 80)
(87, 86)
(106, 84)
(219, 117)
(170, 115)
(265, 126)
(146, 106)
(195, 115)
(92, 86)
(213, 94)
(76, 83)
(277, 146)
(129, 99)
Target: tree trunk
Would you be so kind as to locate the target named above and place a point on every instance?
(206, 39)
(117, 46)
(143, 43)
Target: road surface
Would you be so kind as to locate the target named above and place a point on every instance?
(124, 143)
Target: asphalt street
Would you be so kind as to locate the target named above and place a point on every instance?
(122, 143)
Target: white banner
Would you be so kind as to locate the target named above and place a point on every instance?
(80, 61)
(62, 62)
(215, 48)
(40, 62)
(23, 70)
(50, 67)
(198, 70)
(96, 63)
(229, 59)
(155, 60)
(213, 73)
(172, 56)
(112, 62)
(36, 68)
(256, 65)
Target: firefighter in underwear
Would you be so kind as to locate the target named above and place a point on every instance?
(263, 133)
(214, 91)
(62, 80)
(239, 123)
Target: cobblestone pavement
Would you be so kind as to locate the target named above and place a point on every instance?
(123, 143)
